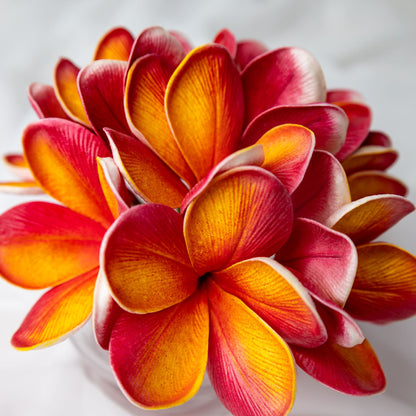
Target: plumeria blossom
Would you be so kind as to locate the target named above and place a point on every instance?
(202, 288)
(46, 245)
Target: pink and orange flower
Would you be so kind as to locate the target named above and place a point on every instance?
(217, 211)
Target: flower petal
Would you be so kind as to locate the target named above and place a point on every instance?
(243, 213)
(273, 292)
(226, 38)
(374, 182)
(159, 359)
(146, 174)
(353, 370)
(204, 104)
(385, 287)
(115, 44)
(145, 260)
(105, 312)
(63, 158)
(359, 116)
(251, 368)
(145, 108)
(328, 123)
(340, 95)
(156, 40)
(18, 165)
(247, 50)
(66, 89)
(377, 138)
(21, 188)
(324, 188)
(285, 76)
(101, 88)
(118, 198)
(324, 261)
(367, 218)
(44, 244)
(370, 158)
(44, 101)
(57, 314)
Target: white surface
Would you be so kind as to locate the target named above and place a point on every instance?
(365, 45)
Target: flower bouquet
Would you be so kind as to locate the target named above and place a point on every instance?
(217, 210)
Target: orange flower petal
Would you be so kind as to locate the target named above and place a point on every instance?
(118, 198)
(324, 188)
(245, 212)
(159, 359)
(63, 158)
(274, 293)
(353, 370)
(116, 44)
(145, 260)
(66, 89)
(374, 182)
(146, 174)
(18, 165)
(205, 107)
(145, 108)
(370, 158)
(251, 368)
(44, 244)
(367, 218)
(385, 286)
(45, 102)
(21, 188)
(58, 313)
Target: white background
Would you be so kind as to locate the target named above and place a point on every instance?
(364, 45)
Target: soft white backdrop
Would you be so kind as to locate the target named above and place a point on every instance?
(364, 45)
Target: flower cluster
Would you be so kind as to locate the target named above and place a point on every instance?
(217, 211)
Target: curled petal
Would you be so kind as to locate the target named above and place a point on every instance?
(251, 368)
(116, 44)
(328, 123)
(247, 50)
(156, 40)
(353, 370)
(65, 80)
(377, 138)
(101, 88)
(105, 312)
(145, 261)
(367, 218)
(359, 116)
(324, 260)
(374, 182)
(18, 165)
(21, 188)
(245, 212)
(385, 287)
(145, 108)
(116, 194)
(204, 103)
(274, 293)
(44, 101)
(44, 244)
(63, 158)
(370, 158)
(57, 314)
(226, 38)
(160, 358)
(324, 188)
(146, 174)
(285, 76)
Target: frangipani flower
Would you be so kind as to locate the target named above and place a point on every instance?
(46, 245)
(203, 287)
